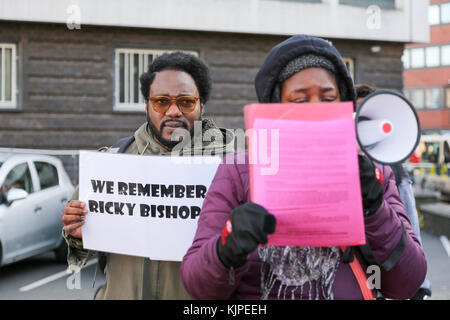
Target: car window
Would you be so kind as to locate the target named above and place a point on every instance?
(48, 174)
(431, 152)
(18, 177)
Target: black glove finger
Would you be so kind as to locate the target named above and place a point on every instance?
(269, 223)
(253, 220)
(366, 166)
(246, 243)
(250, 224)
(237, 246)
(371, 188)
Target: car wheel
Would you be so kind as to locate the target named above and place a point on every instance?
(61, 252)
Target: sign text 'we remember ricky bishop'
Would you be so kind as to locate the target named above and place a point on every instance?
(142, 205)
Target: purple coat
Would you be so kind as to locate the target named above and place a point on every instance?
(205, 277)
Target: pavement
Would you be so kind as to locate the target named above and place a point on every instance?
(41, 277)
(438, 258)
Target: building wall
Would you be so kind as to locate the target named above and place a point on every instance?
(385, 20)
(432, 77)
(435, 119)
(66, 78)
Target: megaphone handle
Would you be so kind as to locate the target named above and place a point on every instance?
(358, 147)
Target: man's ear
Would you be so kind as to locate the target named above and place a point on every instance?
(202, 108)
(146, 106)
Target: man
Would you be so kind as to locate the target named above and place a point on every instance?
(301, 69)
(176, 89)
(405, 191)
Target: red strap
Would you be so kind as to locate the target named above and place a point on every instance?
(360, 276)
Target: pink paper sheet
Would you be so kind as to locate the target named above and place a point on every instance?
(315, 192)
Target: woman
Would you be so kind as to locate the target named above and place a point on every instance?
(224, 262)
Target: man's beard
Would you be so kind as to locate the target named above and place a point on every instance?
(169, 144)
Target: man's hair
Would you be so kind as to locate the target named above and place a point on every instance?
(363, 90)
(179, 61)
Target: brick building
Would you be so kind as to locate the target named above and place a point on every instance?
(69, 73)
(427, 71)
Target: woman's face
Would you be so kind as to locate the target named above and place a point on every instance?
(313, 85)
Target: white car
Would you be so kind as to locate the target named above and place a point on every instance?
(33, 192)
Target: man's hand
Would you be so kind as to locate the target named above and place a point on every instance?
(371, 185)
(246, 228)
(73, 217)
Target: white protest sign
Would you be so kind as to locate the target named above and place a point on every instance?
(143, 205)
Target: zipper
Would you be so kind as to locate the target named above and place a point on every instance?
(231, 276)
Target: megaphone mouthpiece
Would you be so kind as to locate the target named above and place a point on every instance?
(374, 131)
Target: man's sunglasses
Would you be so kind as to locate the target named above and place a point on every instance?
(186, 104)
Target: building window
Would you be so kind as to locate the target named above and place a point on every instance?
(407, 94)
(406, 59)
(426, 57)
(417, 97)
(129, 65)
(8, 60)
(309, 1)
(428, 98)
(385, 4)
(434, 14)
(445, 12)
(432, 58)
(417, 58)
(445, 54)
(433, 98)
(447, 97)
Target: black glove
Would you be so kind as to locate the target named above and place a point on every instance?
(371, 187)
(246, 228)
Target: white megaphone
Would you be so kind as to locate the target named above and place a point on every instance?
(387, 127)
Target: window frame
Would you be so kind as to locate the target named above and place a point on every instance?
(9, 104)
(127, 106)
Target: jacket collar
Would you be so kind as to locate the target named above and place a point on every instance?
(213, 139)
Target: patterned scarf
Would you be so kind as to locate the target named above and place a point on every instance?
(295, 267)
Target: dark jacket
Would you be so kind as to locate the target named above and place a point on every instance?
(205, 277)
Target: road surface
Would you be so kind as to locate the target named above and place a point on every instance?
(41, 277)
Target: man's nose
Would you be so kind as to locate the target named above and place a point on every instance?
(173, 111)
